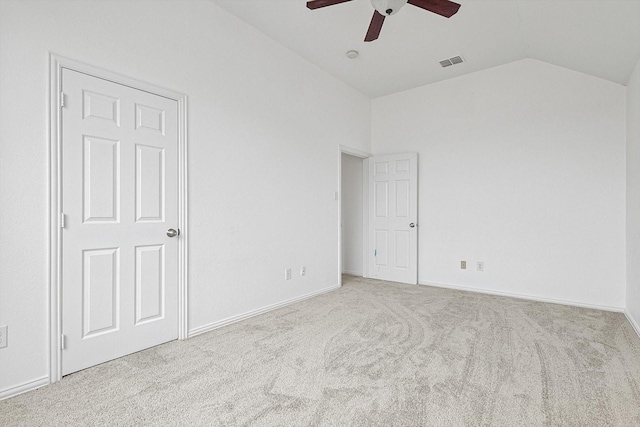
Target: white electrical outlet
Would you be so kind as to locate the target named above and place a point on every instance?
(303, 271)
(480, 266)
(463, 265)
(3, 336)
(287, 274)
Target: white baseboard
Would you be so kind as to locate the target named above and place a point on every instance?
(24, 387)
(523, 296)
(220, 323)
(352, 273)
(632, 321)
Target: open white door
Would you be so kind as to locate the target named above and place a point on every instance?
(393, 218)
(119, 198)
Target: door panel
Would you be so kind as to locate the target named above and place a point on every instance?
(403, 202)
(101, 179)
(403, 249)
(119, 197)
(101, 107)
(100, 289)
(381, 199)
(150, 282)
(393, 198)
(149, 183)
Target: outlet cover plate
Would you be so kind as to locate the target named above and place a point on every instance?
(3, 336)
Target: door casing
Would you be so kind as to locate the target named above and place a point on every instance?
(56, 65)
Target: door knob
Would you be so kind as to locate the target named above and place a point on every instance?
(173, 233)
(412, 225)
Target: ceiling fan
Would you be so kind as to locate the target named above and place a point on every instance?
(384, 8)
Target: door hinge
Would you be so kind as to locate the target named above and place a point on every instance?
(375, 252)
(62, 98)
(62, 343)
(61, 220)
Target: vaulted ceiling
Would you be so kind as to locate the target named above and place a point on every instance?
(597, 37)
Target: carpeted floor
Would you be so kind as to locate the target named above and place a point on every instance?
(369, 354)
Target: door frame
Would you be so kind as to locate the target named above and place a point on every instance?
(343, 149)
(56, 65)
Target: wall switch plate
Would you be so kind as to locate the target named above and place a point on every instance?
(303, 271)
(287, 274)
(463, 265)
(480, 266)
(3, 336)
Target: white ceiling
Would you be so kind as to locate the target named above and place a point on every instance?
(597, 37)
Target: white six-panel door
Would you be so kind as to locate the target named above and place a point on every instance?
(119, 198)
(393, 217)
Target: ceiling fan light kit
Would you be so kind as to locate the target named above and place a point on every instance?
(384, 8)
(388, 7)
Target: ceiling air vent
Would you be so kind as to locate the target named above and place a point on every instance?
(451, 61)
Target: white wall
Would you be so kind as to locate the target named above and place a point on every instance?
(633, 197)
(351, 215)
(522, 167)
(264, 125)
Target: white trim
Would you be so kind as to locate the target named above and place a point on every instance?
(54, 259)
(229, 320)
(183, 220)
(56, 64)
(354, 152)
(365, 218)
(24, 387)
(340, 215)
(633, 322)
(522, 296)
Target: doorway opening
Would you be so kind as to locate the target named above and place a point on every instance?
(353, 213)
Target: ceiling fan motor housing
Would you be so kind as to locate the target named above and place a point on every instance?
(388, 7)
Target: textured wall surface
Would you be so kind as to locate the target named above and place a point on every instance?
(264, 127)
(522, 167)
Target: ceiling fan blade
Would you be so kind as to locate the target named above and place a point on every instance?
(444, 8)
(316, 4)
(374, 27)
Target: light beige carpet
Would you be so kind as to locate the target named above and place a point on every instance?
(370, 354)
